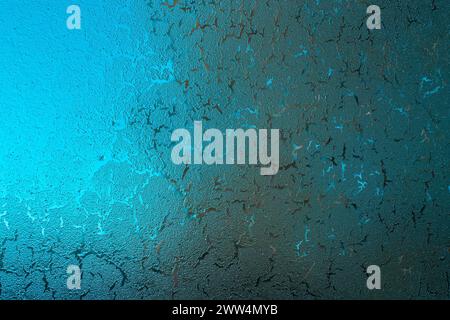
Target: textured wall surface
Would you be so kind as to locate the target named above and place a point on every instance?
(86, 176)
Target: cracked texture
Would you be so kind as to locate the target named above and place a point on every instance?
(86, 176)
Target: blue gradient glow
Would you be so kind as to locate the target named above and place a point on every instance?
(85, 170)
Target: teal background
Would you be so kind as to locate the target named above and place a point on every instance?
(85, 170)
